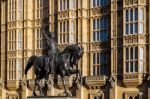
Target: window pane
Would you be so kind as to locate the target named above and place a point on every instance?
(64, 4)
(136, 27)
(141, 14)
(19, 39)
(94, 24)
(105, 22)
(127, 29)
(127, 53)
(136, 53)
(63, 38)
(131, 28)
(102, 22)
(19, 69)
(102, 33)
(98, 24)
(105, 69)
(131, 66)
(94, 36)
(127, 67)
(98, 56)
(105, 35)
(131, 53)
(98, 2)
(104, 2)
(94, 3)
(94, 70)
(60, 5)
(99, 36)
(131, 15)
(98, 73)
(136, 14)
(136, 66)
(64, 26)
(94, 60)
(127, 15)
(98, 39)
(141, 53)
(141, 68)
(141, 28)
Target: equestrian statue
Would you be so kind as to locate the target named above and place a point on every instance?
(54, 62)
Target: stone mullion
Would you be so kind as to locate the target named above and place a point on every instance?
(149, 48)
(149, 39)
(114, 45)
(3, 43)
(82, 32)
(113, 38)
(3, 40)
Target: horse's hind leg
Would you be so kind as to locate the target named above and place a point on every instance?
(64, 84)
(34, 94)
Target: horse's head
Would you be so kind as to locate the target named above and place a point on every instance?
(77, 55)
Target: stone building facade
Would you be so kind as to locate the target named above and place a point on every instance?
(115, 35)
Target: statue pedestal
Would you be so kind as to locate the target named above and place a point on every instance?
(50, 97)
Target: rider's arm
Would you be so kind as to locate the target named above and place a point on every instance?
(45, 36)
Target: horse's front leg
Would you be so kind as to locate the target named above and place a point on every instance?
(64, 84)
(45, 88)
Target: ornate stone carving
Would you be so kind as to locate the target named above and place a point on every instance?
(127, 2)
(131, 76)
(111, 81)
(1, 84)
(133, 79)
(136, 1)
(95, 81)
(142, 1)
(131, 2)
(73, 13)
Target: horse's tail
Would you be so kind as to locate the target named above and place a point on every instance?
(30, 63)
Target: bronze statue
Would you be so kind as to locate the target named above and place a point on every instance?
(62, 65)
(50, 51)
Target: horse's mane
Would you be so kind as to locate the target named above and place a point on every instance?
(69, 48)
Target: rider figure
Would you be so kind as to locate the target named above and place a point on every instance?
(50, 51)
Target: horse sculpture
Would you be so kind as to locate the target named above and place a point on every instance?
(64, 63)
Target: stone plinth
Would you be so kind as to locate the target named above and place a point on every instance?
(50, 97)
